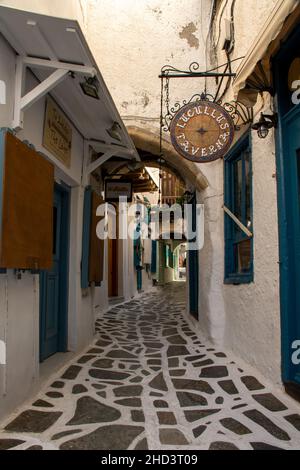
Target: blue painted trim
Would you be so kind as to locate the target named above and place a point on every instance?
(63, 191)
(87, 220)
(139, 278)
(230, 276)
(194, 268)
(289, 274)
(154, 257)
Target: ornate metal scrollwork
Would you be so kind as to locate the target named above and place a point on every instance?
(194, 66)
(167, 118)
(167, 69)
(193, 71)
(240, 114)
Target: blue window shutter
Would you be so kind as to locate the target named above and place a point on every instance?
(233, 237)
(87, 212)
(153, 256)
(139, 280)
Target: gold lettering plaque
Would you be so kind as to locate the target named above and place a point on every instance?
(57, 137)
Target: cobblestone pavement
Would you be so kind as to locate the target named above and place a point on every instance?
(148, 382)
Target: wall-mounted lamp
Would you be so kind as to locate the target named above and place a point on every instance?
(114, 131)
(265, 123)
(90, 87)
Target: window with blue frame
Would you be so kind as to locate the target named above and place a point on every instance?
(238, 199)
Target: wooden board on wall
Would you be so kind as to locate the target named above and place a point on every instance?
(27, 208)
(96, 256)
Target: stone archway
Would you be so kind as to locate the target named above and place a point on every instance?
(149, 142)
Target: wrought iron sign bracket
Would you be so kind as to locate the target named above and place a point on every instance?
(241, 115)
(185, 74)
(202, 127)
(168, 71)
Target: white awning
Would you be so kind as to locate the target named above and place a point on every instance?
(255, 68)
(56, 51)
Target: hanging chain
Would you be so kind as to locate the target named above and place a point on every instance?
(167, 89)
(160, 138)
(161, 113)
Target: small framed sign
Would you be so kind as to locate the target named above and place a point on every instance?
(114, 189)
(57, 137)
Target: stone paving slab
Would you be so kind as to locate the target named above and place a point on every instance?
(148, 382)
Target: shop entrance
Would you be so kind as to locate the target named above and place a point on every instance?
(54, 283)
(288, 171)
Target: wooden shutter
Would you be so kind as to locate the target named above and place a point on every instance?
(92, 247)
(26, 201)
(86, 228)
(96, 258)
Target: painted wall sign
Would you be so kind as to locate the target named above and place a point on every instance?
(202, 131)
(117, 188)
(57, 136)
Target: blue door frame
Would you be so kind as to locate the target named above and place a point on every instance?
(54, 283)
(288, 184)
(193, 268)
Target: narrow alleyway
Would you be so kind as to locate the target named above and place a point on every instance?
(148, 382)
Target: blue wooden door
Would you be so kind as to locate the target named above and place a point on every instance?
(288, 189)
(53, 283)
(193, 265)
(291, 262)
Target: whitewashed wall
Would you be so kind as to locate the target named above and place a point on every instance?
(133, 39)
(245, 318)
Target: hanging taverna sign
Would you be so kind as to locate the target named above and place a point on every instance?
(202, 131)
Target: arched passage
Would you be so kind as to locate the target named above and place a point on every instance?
(149, 143)
(148, 146)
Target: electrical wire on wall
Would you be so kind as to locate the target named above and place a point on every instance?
(215, 42)
(232, 27)
(205, 39)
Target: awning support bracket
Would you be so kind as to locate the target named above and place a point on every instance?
(109, 152)
(61, 71)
